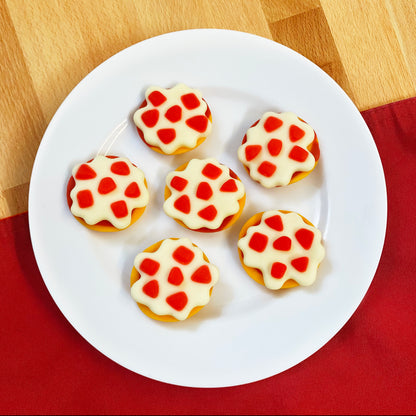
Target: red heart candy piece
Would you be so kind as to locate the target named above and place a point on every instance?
(156, 98)
(267, 169)
(183, 255)
(174, 113)
(274, 146)
(119, 209)
(258, 242)
(132, 191)
(252, 151)
(183, 204)
(151, 289)
(120, 168)
(282, 243)
(190, 101)
(202, 275)
(275, 222)
(211, 171)
(178, 183)
(305, 238)
(177, 301)
(166, 136)
(150, 117)
(198, 123)
(295, 133)
(278, 270)
(85, 198)
(204, 191)
(298, 154)
(229, 186)
(106, 185)
(175, 276)
(149, 266)
(209, 213)
(272, 124)
(300, 264)
(85, 172)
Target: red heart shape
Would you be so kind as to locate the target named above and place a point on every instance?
(85, 172)
(202, 275)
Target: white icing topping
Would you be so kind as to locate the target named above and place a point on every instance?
(185, 135)
(285, 166)
(101, 208)
(292, 222)
(197, 293)
(225, 203)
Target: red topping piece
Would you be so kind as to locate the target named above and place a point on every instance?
(175, 276)
(166, 136)
(198, 123)
(278, 270)
(229, 186)
(282, 243)
(151, 289)
(266, 169)
(183, 204)
(119, 209)
(272, 123)
(106, 186)
(132, 191)
(190, 101)
(252, 151)
(275, 222)
(120, 168)
(183, 255)
(305, 238)
(300, 264)
(201, 275)
(258, 242)
(274, 146)
(298, 153)
(85, 198)
(295, 133)
(208, 213)
(204, 191)
(149, 266)
(211, 171)
(156, 98)
(178, 183)
(174, 113)
(177, 301)
(85, 172)
(150, 117)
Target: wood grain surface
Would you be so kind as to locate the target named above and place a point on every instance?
(47, 47)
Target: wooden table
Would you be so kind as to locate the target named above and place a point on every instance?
(47, 47)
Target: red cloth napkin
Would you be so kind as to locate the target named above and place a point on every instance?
(369, 367)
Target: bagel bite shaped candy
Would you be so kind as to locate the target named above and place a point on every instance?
(204, 195)
(280, 249)
(174, 120)
(172, 280)
(107, 193)
(279, 149)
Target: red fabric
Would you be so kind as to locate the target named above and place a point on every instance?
(369, 367)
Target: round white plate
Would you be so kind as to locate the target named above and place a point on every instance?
(246, 333)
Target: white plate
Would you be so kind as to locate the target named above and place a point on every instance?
(246, 333)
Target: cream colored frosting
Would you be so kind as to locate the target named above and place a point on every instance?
(101, 208)
(198, 294)
(226, 203)
(185, 136)
(286, 166)
(292, 222)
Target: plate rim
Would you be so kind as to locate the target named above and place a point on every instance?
(126, 50)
